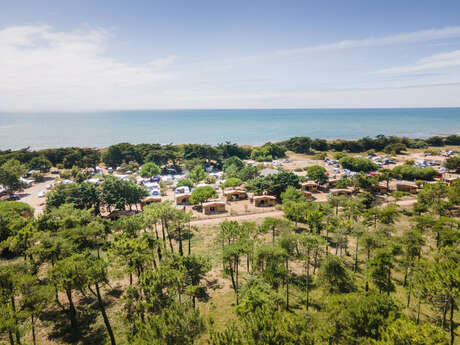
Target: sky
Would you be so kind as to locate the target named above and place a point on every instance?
(91, 55)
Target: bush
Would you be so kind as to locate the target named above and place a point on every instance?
(453, 163)
(317, 173)
(210, 179)
(38, 177)
(411, 173)
(417, 144)
(344, 182)
(202, 194)
(358, 164)
(292, 194)
(321, 156)
(40, 163)
(65, 174)
(299, 144)
(232, 182)
(150, 169)
(334, 276)
(233, 161)
(273, 184)
(268, 152)
(396, 148)
(185, 182)
(248, 172)
(435, 141)
(339, 155)
(319, 145)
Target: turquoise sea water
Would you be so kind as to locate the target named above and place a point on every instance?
(99, 129)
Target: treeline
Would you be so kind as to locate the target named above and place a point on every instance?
(67, 157)
(379, 143)
(190, 154)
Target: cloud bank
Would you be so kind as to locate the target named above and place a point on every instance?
(43, 69)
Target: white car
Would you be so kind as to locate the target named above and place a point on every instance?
(41, 194)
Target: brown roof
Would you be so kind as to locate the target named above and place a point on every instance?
(309, 183)
(339, 190)
(405, 183)
(264, 197)
(186, 195)
(213, 203)
(151, 199)
(234, 191)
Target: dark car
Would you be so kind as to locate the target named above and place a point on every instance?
(13, 197)
(55, 172)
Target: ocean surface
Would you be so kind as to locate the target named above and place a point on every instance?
(253, 127)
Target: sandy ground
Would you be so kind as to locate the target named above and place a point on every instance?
(30, 195)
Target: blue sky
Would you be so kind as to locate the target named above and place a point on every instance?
(104, 55)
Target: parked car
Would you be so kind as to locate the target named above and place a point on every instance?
(13, 197)
(55, 172)
(41, 194)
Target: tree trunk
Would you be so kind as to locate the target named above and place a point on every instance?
(10, 337)
(13, 307)
(169, 239)
(452, 333)
(104, 315)
(236, 274)
(163, 233)
(408, 295)
(287, 285)
(444, 313)
(34, 340)
(158, 239)
(72, 312)
(356, 255)
(181, 251)
(307, 268)
(315, 265)
(406, 272)
(189, 239)
(418, 310)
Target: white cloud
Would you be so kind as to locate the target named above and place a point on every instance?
(44, 69)
(436, 61)
(163, 62)
(411, 37)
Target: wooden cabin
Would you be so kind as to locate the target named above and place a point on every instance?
(149, 200)
(380, 188)
(183, 199)
(213, 207)
(406, 187)
(310, 186)
(235, 194)
(264, 200)
(340, 191)
(307, 195)
(326, 186)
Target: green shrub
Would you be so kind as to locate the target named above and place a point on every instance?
(411, 172)
(358, 164)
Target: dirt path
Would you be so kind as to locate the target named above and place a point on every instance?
(246, 217)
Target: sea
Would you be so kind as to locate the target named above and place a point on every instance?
(242, 126)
